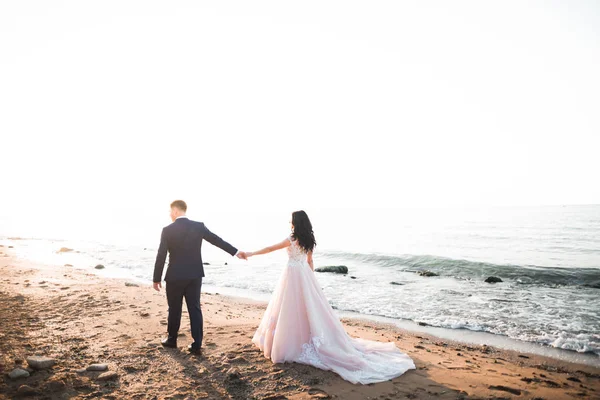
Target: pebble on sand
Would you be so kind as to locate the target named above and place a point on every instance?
(106, 376)
(40, 362)
(97, 367)
(18, 373)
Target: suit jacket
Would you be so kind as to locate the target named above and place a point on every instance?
(183, 241)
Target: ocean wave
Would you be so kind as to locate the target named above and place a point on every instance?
(465, 269)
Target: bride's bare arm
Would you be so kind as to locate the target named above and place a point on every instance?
(310, 260)
(281, 245)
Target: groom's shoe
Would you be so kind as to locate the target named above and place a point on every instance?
(194, 349)
(169, 342)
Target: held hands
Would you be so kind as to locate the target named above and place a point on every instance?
(244, 255)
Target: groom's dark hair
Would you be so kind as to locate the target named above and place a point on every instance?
(179, 204)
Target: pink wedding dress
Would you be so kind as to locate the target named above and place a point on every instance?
(300, 326)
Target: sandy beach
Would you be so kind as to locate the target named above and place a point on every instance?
(76, 319)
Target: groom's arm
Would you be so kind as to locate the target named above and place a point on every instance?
(217, 241)
(161, 257)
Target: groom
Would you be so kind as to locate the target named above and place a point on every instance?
(183, 241)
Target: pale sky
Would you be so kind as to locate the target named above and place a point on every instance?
(119, 107)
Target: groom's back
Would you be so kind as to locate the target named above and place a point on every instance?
(184, 242)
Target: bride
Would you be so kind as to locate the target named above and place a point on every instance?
(300, 326)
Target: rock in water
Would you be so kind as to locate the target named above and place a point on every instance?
(39, 363)
(97, 367)
(99, 266)
(493, 279)
(18, 373)
(338, 269)
(427, 273)
(64, 250)
(396, 283)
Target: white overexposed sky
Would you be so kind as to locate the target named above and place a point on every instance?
(115, 108)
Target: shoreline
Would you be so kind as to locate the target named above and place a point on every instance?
(469, 337)
(80, 318)
(526, 335)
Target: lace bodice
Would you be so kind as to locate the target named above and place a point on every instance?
(295, 252)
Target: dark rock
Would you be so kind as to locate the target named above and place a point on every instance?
(99, 266)
(129, 284)
(427, 273)
(523, 356)
(493, 279)
(338, 269)
(506, 389)
(418, 346)
(574, 379)
(40, 363)
(205, 263)
(18, 373)
(352, 277)
(396, 283)
(423, 323)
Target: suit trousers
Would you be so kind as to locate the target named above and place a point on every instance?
(176, 291)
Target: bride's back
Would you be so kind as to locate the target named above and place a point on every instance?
(296, 253)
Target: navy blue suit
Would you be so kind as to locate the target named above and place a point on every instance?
(182, 240)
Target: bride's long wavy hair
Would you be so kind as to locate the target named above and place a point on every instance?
(303, 231)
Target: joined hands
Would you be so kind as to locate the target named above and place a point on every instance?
(243, 255)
